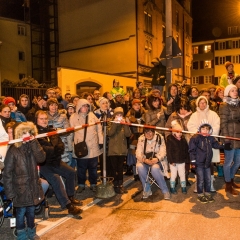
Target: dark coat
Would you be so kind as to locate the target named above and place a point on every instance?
(52, 146)
(230, 122)
(177, 150)
(200, 149)
(21, 180)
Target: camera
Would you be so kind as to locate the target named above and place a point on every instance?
(45, 97)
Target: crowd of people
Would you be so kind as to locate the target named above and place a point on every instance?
(166, 154)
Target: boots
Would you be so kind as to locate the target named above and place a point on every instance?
(183, 185)
(22, 234)
(31, 233)
(187, 182)
(129, 171)
(195, 185)
(220, 170)
(235, 185)
(75, 201)
(212, 189)
(73, 209)
(172, 187)
(230, 189)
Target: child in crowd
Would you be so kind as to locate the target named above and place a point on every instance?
(71, 108)
(21, 180)
(177, 155)
(200, 149)
(135, 116)
(117, 151)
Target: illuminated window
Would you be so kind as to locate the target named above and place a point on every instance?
(148, 53)
(195, 50)
(207, 48)
(208, 64)
(148, 22)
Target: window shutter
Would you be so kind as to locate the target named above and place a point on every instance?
(201, 64)
(216, 45)
(228, 44)
(201, 79)
(228, 58)
(212, 65)
(216, 60)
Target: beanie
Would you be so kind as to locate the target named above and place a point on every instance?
(102, 100)
(51, 101)
(71, 105)
(118, 110)
(236, 79)
(227, 64)
(228, 88)
(8, 100)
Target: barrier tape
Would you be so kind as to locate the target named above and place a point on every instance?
(71, 129)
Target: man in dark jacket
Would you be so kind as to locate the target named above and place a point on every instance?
(54, 167)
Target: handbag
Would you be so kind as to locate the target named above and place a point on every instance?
(81, 149)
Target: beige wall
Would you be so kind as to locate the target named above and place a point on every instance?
(69, 78)
(12, 43)
(98, 35)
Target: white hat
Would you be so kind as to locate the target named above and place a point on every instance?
(228, 88)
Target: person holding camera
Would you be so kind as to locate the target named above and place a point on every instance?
(150, 153)
(117, 148)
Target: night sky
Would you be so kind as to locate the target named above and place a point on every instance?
(214, 16)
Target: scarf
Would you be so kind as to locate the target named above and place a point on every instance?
(231, 101)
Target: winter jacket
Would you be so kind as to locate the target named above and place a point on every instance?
(200, 149)
(230, 122)
(182, 119)
(5, 121)
(118, 134)
(60, 121)
(3, 149)
(18, 116)
(116, 90)
(212, 106)
(94, 135)
(177, 150)
(224, 79)
(21, 180)
(52, 146)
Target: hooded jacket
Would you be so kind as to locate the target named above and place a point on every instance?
(21, 180)
(94, 135)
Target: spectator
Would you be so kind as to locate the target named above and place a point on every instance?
(15, 114)
(228, 77)
(21, 180)
(192, 94)
(70, 110)
(117, 153)
(24, 104)
(229, 113)
(116, 89)
(119, 102)
(236, 82)
(68, 97)
(96, 96)
(94, 137)
(54, 167)
(174, 99)
(58, 92)
(212, 91)
(151, 151)
(5, 115)
(90, 99)
(75, 99)
(109, 96)
(51, 93)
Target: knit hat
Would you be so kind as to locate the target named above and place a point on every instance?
(227, 64)
(228, 88)
(118, 110)
(71, 105)
(176, 126)
(135, 101)
(199, 98)
(8, 100)
(203, 123)
(51, 101)
(102, 100)
(236, 79)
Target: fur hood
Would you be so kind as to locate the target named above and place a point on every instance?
(22, 128)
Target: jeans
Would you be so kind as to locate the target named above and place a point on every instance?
(72, 161)
(203, 179)
(52, 175)
(231, 163)
(84, 164)
(21, 212)
(156, 173)
(45, 185)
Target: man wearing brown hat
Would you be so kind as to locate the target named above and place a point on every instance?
(228, 77)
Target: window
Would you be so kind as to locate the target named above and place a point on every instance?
(21, 30)
(195, 50)
(222, 45)
(163, 33)
(207, 48)
(148, 53)
(207, 79)
(21, 56)
(222, 60)
(195, 80)
(235, 59)
(195, 65)
(208, 64)
(233, 30)
(148, 22)
(235, 44)
(22, 75)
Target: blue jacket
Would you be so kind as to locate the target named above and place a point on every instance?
(200, 149)
(18, 116)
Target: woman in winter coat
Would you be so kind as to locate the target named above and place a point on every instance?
(94, 141)
(5, 115)
(24, 104)
(229, 112)
(203, 112)
(57, 119)
(21, 180)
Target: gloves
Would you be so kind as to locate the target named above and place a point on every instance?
(227, 146)
(59, 149)
(100, 146)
